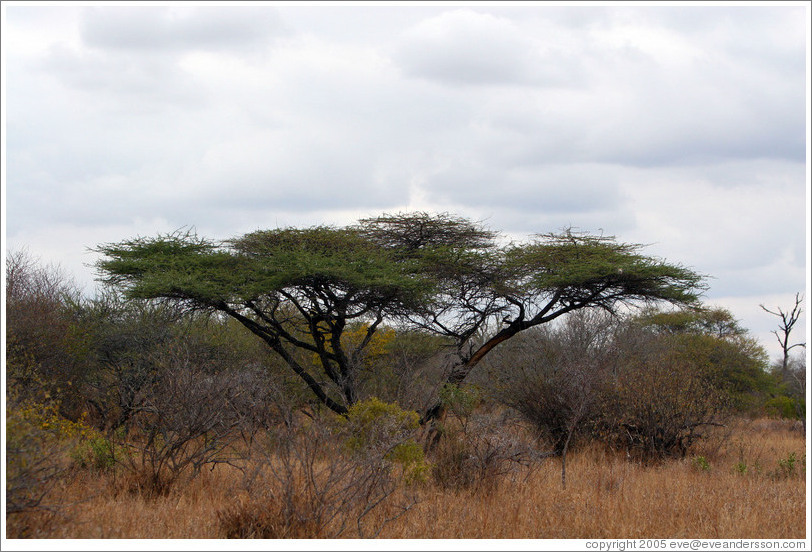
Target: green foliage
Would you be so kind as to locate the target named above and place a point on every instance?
(787, 467)
(716, 322)
(340, 257)
(37, 441)
(785, 407)
(461, 400)
(185, 267)
(599, 270)
(701, 463)
(713, 341)
(754, 468)
(178, 265)
(788, 464)
(96, 453)
(726, 366)
(44, 420)
(412, 460)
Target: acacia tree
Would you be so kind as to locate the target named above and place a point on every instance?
(303, 289)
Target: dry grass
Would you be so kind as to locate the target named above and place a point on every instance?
(743, 492)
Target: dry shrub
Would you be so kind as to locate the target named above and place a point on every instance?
(307, 483)
(41, 334)
(476, 454)
(657, 408)
(770, 425)
(188, 420)
(265, 519)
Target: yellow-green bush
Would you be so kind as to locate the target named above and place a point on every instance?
(376, 426)
(37, 443)
(29, 418)
(373, 422)
(410, 456)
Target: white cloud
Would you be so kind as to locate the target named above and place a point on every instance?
(122, 82)
(744, 224)
(173, 29)
(469, 47)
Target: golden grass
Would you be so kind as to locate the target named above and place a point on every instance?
(606, 497)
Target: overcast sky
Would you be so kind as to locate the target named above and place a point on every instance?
(683, 127)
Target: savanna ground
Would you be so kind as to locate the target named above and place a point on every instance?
(747, 481)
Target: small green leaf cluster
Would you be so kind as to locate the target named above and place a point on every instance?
(461, 400)
(96, 453)
(787, 467)
(701, 463)
(740, 467)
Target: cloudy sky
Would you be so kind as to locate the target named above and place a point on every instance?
(683, 127)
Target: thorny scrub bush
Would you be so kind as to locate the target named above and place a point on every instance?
(45, 348)
(657, 409)
(477, 454)
(188, 419)
(307, 484)
(552, 376)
